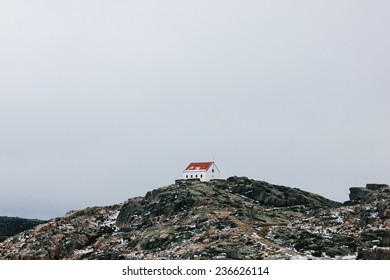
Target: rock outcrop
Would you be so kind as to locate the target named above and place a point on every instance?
(368, 194)
(237, 218)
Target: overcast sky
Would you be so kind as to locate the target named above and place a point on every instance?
(101, 101)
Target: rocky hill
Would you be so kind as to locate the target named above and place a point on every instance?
(10, 226)
(237, 218)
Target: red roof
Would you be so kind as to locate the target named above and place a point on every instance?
(198, 166)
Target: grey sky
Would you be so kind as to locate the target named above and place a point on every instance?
(101, 101)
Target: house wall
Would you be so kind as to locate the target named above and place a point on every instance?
(210, 175)
(195, 175)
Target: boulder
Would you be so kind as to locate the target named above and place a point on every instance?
(360, 195)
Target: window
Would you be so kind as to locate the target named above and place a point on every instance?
(196, 176)
(212, 170)
(191, 176)
(186, 176)
(201, 175)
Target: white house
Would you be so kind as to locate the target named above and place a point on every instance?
(204, 171)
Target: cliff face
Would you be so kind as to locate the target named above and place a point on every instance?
(236, 218)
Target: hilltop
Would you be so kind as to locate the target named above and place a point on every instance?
(237, 218)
